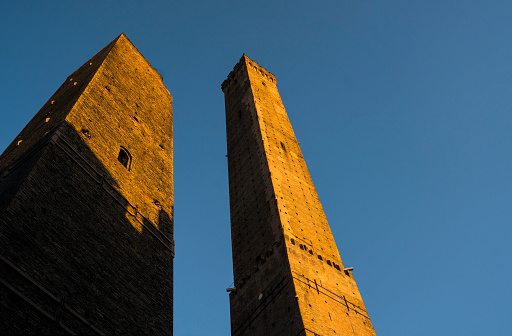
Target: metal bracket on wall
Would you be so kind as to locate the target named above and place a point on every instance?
(330, 294)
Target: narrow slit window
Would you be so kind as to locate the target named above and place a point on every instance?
(125, 158)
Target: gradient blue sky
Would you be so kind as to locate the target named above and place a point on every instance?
(403, 109)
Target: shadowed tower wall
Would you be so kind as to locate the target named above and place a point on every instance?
(86, 205)
(289, 278)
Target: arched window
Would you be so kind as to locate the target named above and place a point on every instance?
(125, 158)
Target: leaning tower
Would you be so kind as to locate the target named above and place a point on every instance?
(289, 278)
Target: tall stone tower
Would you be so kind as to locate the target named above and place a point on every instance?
(289, 278)
(86, 205)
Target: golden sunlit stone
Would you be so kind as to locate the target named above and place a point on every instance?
(289, 277)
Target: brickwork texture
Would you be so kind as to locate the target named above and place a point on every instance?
(288, 274)
(86, 205)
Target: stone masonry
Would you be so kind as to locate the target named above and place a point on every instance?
(86, 205)
(289, 278)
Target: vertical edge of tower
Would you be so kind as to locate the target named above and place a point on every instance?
(325, 298)
(86, 240)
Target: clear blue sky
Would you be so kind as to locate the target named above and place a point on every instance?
(403, 109)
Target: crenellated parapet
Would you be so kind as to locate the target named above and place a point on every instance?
(246, 63)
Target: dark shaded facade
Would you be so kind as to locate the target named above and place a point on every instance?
(86, 205)
(289, 278)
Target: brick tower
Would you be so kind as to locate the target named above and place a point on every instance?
(86, 205)
(289, 278)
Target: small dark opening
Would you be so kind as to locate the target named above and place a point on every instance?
(283, 147)
(86, 133)
(124, 157)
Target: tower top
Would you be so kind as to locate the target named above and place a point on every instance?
(58, 107)
(122, 38)
(247, 63)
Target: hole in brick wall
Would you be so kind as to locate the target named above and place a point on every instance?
(86, 133)
(124, 157)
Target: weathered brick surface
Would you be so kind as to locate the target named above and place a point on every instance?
(279, 229)
(78, 222)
